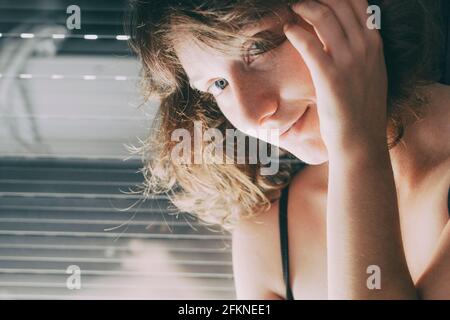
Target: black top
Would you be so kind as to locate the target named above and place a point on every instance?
(446, 63)
(284, 239)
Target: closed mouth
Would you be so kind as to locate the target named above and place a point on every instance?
(290, 127)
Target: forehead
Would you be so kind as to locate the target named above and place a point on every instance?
(199, 60)
(280, 15)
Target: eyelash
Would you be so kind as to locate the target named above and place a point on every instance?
(260, 52)
(215, 82)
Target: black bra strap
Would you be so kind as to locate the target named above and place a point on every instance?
(448, 201)
(284, 241)
(446, 67)
(283, 223)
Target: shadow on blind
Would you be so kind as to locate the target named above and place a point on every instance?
(56, 213)
(68, 104)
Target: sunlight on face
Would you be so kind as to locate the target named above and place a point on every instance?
(272, 90)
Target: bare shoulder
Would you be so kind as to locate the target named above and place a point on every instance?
(313, 179)
(256, 241)
(255, 244)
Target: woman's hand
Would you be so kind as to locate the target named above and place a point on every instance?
(349, 74)
(347, 66)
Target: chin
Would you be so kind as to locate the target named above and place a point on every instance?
(310, 152)
(304, 140)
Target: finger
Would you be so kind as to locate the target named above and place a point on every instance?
(360, 10)
(350, 22)
(347, 17)
(325, 23)
(360, 7)
(372, 36)
(310, 48)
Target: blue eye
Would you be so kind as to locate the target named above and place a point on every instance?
(219, 85)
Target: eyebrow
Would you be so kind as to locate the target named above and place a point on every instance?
(263, 25)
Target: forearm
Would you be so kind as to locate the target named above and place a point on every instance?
(363, 227)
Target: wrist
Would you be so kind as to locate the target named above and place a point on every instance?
(360, 147)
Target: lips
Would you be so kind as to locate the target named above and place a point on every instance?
(292, 125)
(284, 131)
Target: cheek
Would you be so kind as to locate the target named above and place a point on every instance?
(306, 142)
(233, 117)
(313, 124)
(310, 128)
(296, 78)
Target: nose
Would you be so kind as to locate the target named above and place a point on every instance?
(255, 100)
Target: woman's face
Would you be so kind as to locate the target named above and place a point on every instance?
(269, 91)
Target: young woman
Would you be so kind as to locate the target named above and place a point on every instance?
(368, 215)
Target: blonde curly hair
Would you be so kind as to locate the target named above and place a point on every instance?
(225, 193)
